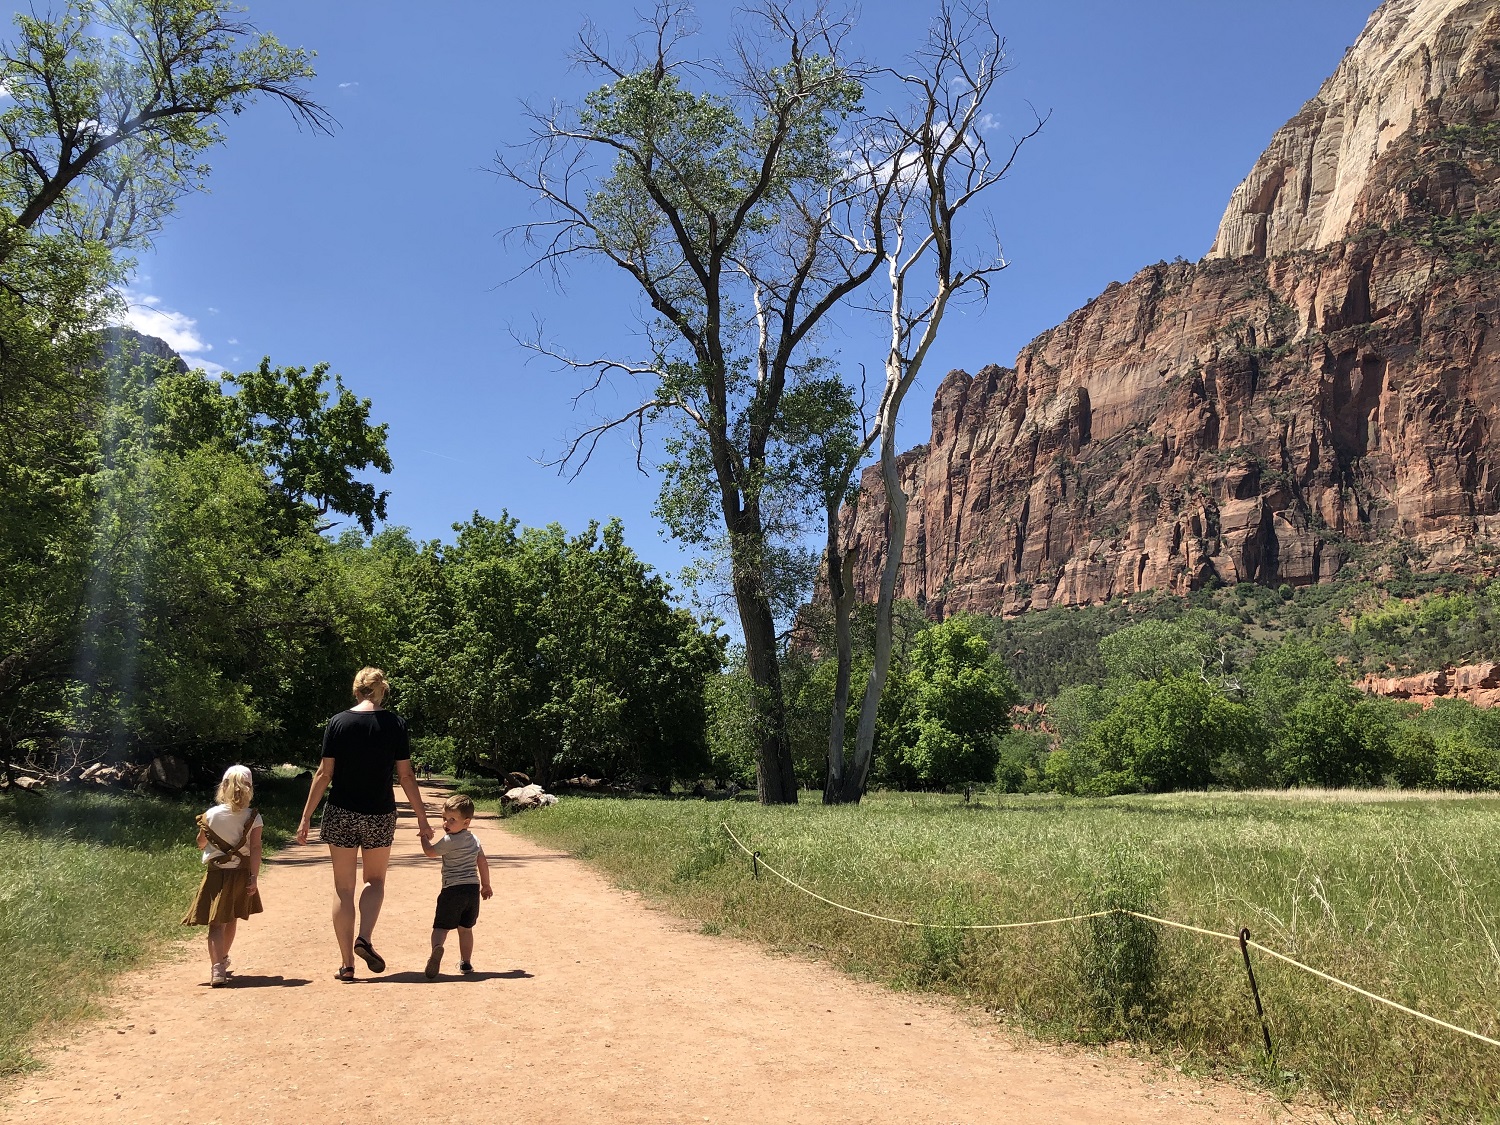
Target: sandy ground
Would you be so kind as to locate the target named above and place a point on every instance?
(586, 1006)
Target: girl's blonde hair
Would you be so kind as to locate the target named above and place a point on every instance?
(236, 789)
(370, 682)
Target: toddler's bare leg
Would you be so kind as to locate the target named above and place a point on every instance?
(466, 943)
(439, 937)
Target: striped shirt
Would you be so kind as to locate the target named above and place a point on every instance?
(460, 852)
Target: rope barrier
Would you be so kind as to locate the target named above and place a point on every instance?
(1378, 999)
(1240, 939)
(761, 861)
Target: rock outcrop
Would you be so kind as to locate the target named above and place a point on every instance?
(1322, 387)
(1479, 684)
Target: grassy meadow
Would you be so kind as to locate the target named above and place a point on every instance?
(92, 884)
(1398, 895)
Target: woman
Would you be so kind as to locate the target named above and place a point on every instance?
(360, 747)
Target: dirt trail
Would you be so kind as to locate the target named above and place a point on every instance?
(587, 1006)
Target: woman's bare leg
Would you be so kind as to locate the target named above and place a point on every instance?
(228, 939)
(373, 865)
(345, 863)
(215, 945)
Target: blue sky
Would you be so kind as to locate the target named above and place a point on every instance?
(377, 249)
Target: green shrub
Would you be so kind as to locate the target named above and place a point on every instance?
(1120, 959)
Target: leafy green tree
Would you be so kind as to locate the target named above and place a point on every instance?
(1321, 730)
(954, 702)
(214, 613)
(738, 213)
(1466, 742)
(110, 107)
(532, 649)
(308, 448)
(1176, 732)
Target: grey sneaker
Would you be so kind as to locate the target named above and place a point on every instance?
(434, 962)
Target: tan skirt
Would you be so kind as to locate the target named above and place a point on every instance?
(224, 896)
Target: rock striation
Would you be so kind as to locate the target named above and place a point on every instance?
(1322, 387)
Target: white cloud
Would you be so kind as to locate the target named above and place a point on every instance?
(231, 340)
(347, 85)
(147, 315)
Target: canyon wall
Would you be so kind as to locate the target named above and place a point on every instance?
(1320, 391)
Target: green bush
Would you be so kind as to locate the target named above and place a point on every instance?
(1120, 960)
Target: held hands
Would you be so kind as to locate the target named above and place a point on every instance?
(424, 830)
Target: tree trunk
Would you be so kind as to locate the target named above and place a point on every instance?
(841, 591)
(895, 506)
(776, 778)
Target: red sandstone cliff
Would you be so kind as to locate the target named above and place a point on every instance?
(1479, 684)
(1321, 386)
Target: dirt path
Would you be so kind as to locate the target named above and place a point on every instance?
(587, 1006)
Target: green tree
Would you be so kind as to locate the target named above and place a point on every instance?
(1177, 732)
(533, 649)
(738, 212)
(954, 702)
(308, 448)
(213, 612)
(1321, 731)
(110, 107)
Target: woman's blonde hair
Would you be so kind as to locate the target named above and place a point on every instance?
(236, 789)
(369, 682)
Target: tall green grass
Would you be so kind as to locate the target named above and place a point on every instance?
(92, 884)
(1399, 896)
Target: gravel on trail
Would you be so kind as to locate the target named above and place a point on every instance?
(586, 1006)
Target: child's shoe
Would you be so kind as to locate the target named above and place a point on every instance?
(465, 967)
(434, 962)
(217, 977)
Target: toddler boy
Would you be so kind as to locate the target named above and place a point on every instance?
(466, 879)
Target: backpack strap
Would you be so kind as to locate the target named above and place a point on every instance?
(230, 851)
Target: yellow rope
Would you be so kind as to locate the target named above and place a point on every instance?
(902, 921)
(1134, 914)
(1378, 999)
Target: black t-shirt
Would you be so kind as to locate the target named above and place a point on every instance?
(365, 747)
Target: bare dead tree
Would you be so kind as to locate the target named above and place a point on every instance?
(745, 217)
(939, 163)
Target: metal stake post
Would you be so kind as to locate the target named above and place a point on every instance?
(1254, 989)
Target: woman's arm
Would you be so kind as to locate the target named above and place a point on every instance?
(413, 792)
(255, 854)
(319, 787)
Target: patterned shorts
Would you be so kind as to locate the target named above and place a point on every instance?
(344, 829)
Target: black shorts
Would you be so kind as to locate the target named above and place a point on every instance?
(457, 907)
(344, 829)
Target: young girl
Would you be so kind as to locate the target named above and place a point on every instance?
(229, 834)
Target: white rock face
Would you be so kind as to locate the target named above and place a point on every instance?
(1303, 191)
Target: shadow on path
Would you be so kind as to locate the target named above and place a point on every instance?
(414, 977)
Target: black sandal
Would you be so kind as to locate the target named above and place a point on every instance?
(366, 953)
(345, 974)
